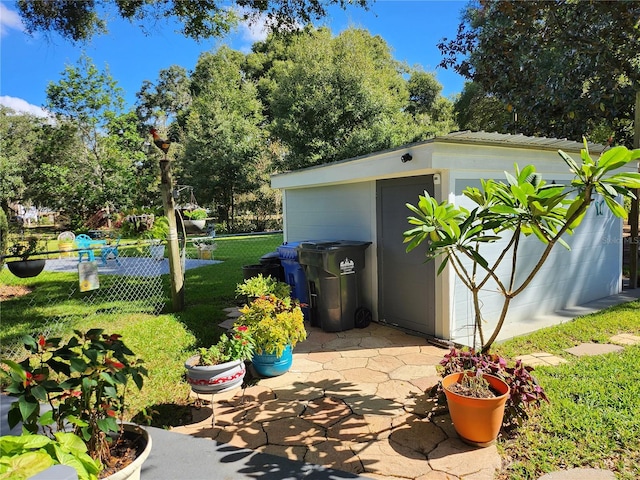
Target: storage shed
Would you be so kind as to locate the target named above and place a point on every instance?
(365, 198)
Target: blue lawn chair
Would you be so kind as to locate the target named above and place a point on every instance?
(84, 244)
(110, 251)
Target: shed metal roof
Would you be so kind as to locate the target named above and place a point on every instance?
(519, 140)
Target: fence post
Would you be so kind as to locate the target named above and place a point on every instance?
(175, 267)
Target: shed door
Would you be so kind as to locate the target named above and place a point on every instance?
(406, 285)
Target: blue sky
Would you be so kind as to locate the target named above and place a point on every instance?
(28, 64)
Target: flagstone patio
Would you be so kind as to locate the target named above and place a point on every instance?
(353, 401)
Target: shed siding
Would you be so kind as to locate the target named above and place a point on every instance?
(336, 212)
(566, 280)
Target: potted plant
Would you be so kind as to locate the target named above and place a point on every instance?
(254, 287)
(28, 454)
(205, 247)
(276, 325)
(220, 367)
(195, 219)
(459, 366)
(25, 267)
(84, 382)
(476, 404)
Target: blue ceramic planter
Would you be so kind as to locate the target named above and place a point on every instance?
(269, 365)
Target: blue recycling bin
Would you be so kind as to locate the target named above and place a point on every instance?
(294, 274)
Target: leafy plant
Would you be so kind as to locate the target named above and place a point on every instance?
(159, 230)
(24, 249)
(523, 206)
(23, 456)
(197, 214)
(260, 285)
(473, 384)
(524, 391)
(84, 382)
(274, 323)
(237, 346)
(205, 243)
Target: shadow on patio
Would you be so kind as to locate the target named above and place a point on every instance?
(352, 401)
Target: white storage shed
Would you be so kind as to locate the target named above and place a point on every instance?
(365, 198)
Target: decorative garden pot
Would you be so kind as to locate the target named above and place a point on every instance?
(270, 365)
(194, 226)
(477, 420)
(132, 471)
(210, 379)
(26, 268)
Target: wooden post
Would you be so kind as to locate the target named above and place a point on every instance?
(175, 266)
(634, 214)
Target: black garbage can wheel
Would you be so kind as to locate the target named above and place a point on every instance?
(362, 317)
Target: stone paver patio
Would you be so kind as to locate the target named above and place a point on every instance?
(352, 401)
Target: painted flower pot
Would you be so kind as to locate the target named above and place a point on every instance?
(477, 420)
(132, 471)
(26, 268)
(210, 379)
(270, 365)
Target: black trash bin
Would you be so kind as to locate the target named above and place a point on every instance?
(333, 271)
(272, 259)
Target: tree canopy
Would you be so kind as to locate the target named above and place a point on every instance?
(298, 99)
(81, 20)
(562, 66)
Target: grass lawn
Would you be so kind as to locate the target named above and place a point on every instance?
(164, 341)
(593, 419)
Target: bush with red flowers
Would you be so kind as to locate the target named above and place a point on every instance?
(84, 381)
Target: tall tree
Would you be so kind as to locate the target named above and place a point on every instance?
(165, 101)
(91, 101)
(18, 138)
(81, 20)
(336, 98)
(476, 110)
(223, 138)
(561, 65)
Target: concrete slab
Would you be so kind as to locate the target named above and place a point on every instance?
(625, 339)
(541, 359)
(580, 474)
(591, 349)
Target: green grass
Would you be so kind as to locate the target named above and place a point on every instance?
(164, 341)
(593, 418)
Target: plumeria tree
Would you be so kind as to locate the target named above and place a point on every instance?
(522, 206)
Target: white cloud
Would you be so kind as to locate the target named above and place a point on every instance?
(22, 106)
(9, 19)
(254, 29)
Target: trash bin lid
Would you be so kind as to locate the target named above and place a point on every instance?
(288, 250)
(318, 244)
(270, 258)
(321, 245)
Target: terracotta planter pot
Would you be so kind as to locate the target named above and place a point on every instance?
(210, 379)
(26, 268)
(132, 471)
(477, 420)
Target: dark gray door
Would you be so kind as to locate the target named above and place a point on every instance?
(406, 285)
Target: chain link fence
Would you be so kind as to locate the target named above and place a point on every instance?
(130, 278)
